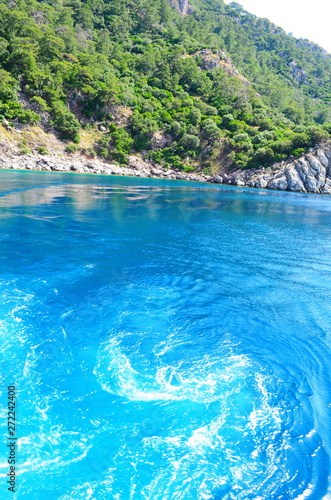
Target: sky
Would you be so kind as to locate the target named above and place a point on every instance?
(303, 18)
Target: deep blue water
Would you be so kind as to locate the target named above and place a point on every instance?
(168, 340)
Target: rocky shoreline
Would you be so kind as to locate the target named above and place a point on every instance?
(136, 167)
(309, 174)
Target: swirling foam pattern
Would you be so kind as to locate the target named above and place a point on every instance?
(169, 340)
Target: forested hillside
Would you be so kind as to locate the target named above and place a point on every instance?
(216, 86)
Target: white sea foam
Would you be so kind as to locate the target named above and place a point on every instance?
(239, 445)
(82, 492)
(50, 448)
(202, 380)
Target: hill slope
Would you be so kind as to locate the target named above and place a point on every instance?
(199, 86)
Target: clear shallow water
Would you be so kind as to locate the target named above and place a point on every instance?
(169, 340)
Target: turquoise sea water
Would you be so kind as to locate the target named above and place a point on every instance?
(168, 340)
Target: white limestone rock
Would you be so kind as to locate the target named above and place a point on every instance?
(322, 158)
(294, 181)
(327, 187)
(318, 170)
(278, 182)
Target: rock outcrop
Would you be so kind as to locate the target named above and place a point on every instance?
(218, 59)
(309, 174)
(298, 73)
(182, 6)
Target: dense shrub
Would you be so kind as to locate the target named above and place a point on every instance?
(66, 123)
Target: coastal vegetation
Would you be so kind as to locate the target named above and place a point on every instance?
(215, 87)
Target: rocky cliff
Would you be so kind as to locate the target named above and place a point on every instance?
(309, 174)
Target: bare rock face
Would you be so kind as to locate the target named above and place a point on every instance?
(182, 6)
(309, 174)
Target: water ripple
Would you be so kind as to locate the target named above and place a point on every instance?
(169, 341)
